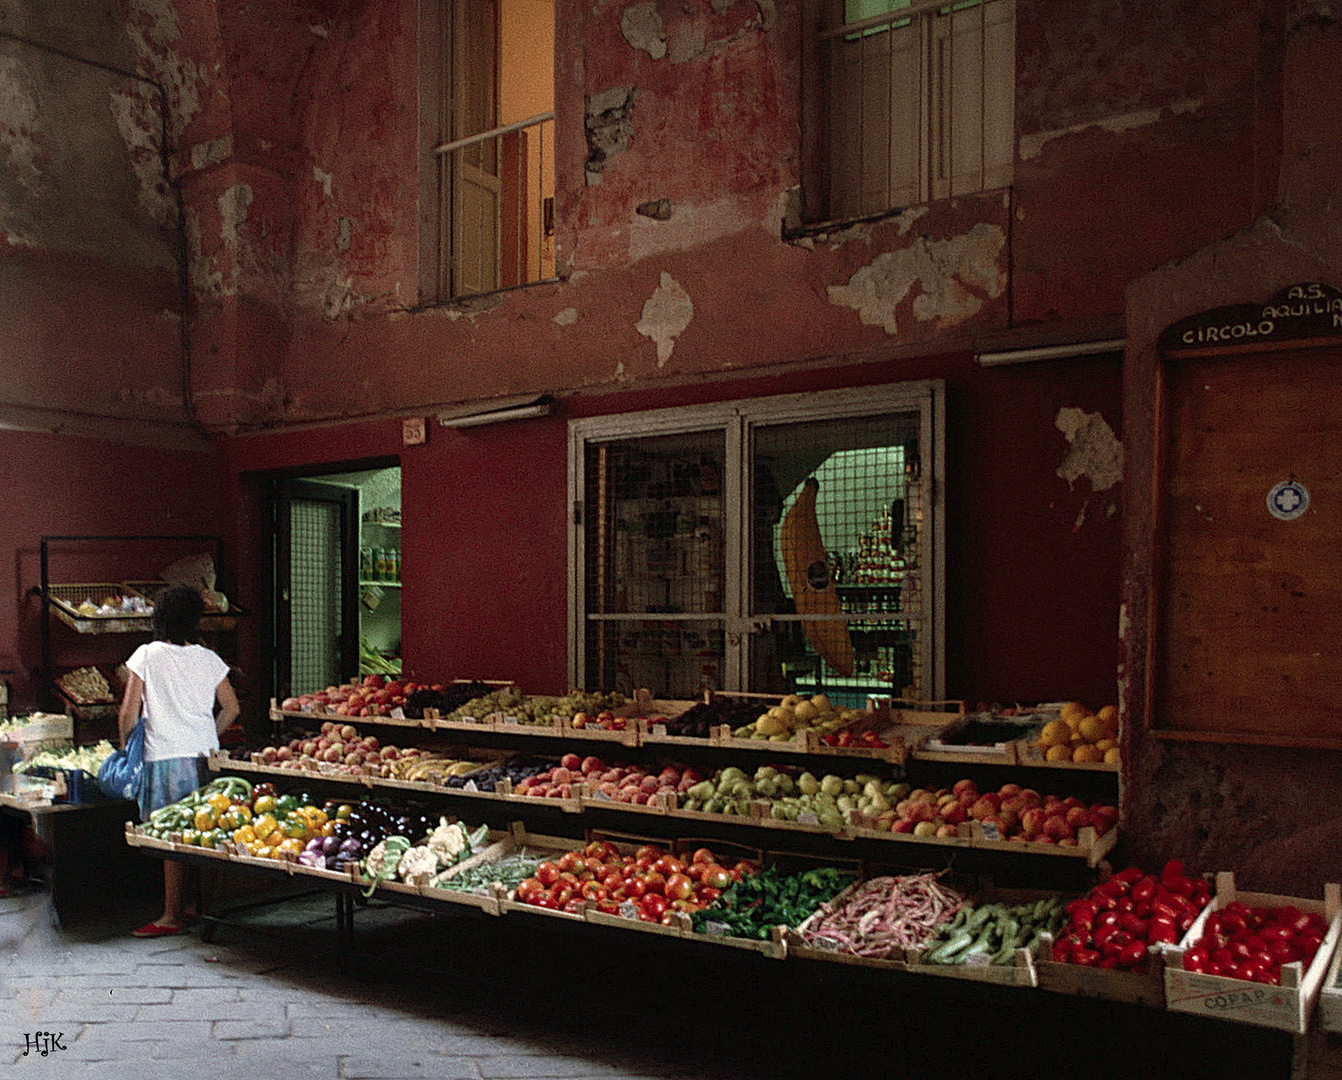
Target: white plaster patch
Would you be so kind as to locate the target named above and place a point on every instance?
(1032, 146)
(139, 126)
(1095, 451)
(153, 28)
(689, 227)
(338, 299)
(940, 268)
(319, 30)
(567, 317)
(324, 178)
(666, 315)
(234, 203)
(211, 152)
(20, 123)
(641, 25)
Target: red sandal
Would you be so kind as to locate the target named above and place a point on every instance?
(151, 929)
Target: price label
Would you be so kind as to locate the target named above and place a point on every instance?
(990, 831)
(717, 929)
(659, 729)
(601, 795)
(825, 944)
(808, 817)
(469, 786)
(511, 721)
(629, 910)
(397, 713)
(977, 960)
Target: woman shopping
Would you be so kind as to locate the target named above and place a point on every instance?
(175, 683)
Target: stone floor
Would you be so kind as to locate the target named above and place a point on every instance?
(268, 998)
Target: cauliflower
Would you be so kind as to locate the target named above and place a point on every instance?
(417, 865)
(374, 860)
(449, 842)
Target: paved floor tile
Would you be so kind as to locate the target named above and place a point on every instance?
(412, 1067)
(248, 1029)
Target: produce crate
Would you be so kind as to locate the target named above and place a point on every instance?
(1021, 972)
(644, 708)
(827, 949)
(1287, 1007)
(1330, 997)
(1132, 987)
(40, 728)
(65, 601)
(211, 620)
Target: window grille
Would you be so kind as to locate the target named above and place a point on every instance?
(315, 593)
(919, 101)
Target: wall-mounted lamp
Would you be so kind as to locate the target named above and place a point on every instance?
(1049, 352)
(494, 412)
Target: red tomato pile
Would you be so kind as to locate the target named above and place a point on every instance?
(1112, 926)
(1253, 943)
(655, 884)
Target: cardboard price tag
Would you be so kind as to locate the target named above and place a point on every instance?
(717, 929)
(469, 786)
(629, 910)
(659, 730)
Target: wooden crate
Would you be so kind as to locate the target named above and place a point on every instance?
(1020, 972)
(1288, 1007)
(1330, 996)
(1133, 987)
(825, 949)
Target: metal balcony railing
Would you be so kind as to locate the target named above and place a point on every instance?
(496, 211)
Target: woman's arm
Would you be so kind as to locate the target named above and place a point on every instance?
(228, 706)
(130, 706)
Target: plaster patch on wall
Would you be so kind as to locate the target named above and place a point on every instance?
(211, 152)
(20, 124)
(610, 125)
(641, 25)
(689, 227)
(234, 203)
(862, 232)
(344, 230)
(338, 299)
(153, 28)
(567, 317)
(940, 268)
(139, 125)
(1095, 451)
(324, 178)
(1032, 146)
(666, 314)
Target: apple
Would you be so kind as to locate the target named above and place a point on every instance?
(1078, 817)
(348, 733)
(270, 755)
(308, 748)
(572, 762)
(580, 720)
(590, 765)
(354, 757)
(965, 787)
(983, 808)
(1056, 827)
(946, 830)
(924, 828)
(1032, 821)
(954, 814)
(331, 754)
(921, 811)
(375, 681)
(903, 825)
(1009, 789)
(390, 753)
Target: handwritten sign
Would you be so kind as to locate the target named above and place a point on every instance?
(1306, 312)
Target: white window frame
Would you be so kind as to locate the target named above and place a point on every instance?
(933, 175)
(738, 419)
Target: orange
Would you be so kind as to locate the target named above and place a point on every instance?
(1092, 728)
(1088, 753)
(1072, 712)
(1111, 755)
(1109, 717)
(1060, 752)
(1054, 733)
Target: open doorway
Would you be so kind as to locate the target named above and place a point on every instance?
(334, 577)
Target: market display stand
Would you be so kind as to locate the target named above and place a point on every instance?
(59, 604)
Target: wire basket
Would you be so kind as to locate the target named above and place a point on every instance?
(67, 601)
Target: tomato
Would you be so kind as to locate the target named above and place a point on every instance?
(679, 887)
(717, 877)
(671, 918)
(650, 852)
(599, 849)
(561, 893)
(635, 887)
(706, 894)
(654, 905)
(609, 907)
(1132, 954)
(654, 881)
(745, 868)
(1196, 959)
(570, 861)
(547, 873)
(593, 890)
(264, 788)
(669, 865)
(703, 855)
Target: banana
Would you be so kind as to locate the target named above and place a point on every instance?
(812, 587)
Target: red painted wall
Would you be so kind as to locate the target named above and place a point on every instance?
(68, 486)
(1033, 592)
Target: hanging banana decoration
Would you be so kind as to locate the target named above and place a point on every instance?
(812, 586)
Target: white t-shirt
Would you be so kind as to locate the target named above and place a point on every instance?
(179, 693)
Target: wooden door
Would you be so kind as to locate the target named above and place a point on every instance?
(1247, 636)
(474, 184)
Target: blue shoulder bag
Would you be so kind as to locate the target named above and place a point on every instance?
(119, 776)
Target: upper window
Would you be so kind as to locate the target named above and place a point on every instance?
(488, 186)
(919, 102)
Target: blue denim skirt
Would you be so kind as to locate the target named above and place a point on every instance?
(168, 780)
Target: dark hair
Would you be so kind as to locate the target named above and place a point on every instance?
(177, 614)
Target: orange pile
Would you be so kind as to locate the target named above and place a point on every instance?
(1081, 735)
